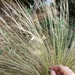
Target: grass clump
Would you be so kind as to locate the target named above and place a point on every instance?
(31, 46)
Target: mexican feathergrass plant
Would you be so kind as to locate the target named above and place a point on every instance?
(30, 47)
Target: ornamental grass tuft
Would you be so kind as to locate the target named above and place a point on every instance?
(30, 45)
